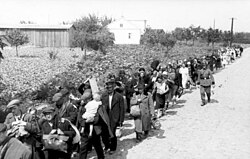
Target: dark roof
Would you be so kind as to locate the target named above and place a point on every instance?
(35, 26)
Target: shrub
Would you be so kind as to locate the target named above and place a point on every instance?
(53, 54)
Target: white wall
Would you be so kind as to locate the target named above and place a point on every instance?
(126, 36)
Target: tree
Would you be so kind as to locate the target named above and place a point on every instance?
(157, 37)
(168, 41)
(242, 37)
(195, 32)
(92, 32)
(226, 37)
(16, 38)
(213, 35)
(178, 33)
(3, 41)
(151, 37)
(187, 34)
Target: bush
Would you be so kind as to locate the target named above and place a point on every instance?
(53, 54)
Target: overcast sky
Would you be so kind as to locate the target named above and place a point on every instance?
(164, 14)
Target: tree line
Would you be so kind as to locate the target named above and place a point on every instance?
(91, 32)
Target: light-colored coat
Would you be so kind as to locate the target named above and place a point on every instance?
(14, 149)
(143, 123)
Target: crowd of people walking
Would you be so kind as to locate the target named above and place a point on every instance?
(73, 125)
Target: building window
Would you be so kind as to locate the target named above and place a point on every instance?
(121, 25)
(129, 35)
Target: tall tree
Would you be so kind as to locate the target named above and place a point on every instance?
(187, 34)
(213, 35)
(226, 37)
(16, 38)
(92, 32)
(178, 33)
(168, 41)
(195, 32)
(157, 37)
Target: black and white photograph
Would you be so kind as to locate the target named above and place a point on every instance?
(124, 79)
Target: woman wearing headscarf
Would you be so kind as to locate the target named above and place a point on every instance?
(143, 121)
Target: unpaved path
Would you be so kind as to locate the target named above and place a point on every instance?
(219, 130)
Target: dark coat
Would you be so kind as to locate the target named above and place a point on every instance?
(100, 120)
(178, 78)
(68, 111)
(117, 112)
(143, 123)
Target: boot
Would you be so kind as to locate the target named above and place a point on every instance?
(138, 137)
(146, 134)
(208, 98)
(165, 108)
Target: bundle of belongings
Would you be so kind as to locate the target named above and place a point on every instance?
(17, 130)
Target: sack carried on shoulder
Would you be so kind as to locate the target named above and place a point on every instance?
(55, 142)
(135, 110)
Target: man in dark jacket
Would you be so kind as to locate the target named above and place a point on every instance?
(101, 120)
(51, 124)
(113, 103)
(63, 106)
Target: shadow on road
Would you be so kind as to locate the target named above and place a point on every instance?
(214, 101)
(176, 106)
(171, 112)
(181, 101)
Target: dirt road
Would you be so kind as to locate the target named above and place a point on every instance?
(219, 130)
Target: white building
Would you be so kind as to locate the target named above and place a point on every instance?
(127, 31)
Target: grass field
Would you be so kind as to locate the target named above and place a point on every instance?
(34, 67)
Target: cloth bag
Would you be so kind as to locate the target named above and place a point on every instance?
(55, 142)
(135, 111)
(119, 131)
(156, 124)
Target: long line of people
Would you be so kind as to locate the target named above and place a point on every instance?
(74, 125)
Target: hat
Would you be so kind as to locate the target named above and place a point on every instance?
(3, 127)
(49, 109)
(57, 97)
(13, 103)
(142, 69)
(80, 88)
